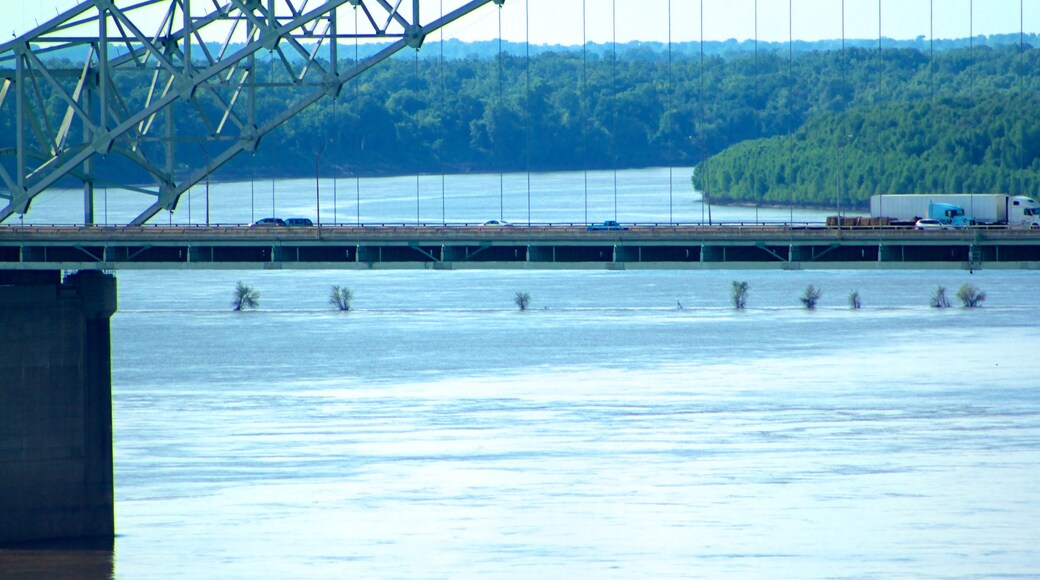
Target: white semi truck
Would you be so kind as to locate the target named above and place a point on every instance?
(979, 208)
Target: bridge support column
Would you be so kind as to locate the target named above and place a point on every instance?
(55, 406)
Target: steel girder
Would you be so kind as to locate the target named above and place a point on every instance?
(65, 117)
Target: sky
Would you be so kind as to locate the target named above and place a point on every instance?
(561, 22)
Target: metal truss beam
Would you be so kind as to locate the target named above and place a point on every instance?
(67, 118)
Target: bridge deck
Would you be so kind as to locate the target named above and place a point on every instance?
(449, 247)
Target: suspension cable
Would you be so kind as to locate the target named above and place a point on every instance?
(671, 105)
(498, 145)
(844, 119)
(790, 88)
(971, 94)
(527, 99)
(931, 51)
(584, 102)
(613, 92)
(880, 159)
(444, 108)
(705, 198)
(270, 58)
(415, 146)
(758, 131)
(335, 168)
(358, 140)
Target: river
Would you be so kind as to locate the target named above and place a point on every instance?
(628, 424)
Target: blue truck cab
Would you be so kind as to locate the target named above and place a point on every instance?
(948, 213)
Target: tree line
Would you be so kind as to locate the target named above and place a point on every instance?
(949, 145)
(569, 110)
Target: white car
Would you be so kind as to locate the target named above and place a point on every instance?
(930, 224)
(498, 223)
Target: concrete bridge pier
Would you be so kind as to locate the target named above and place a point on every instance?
(55, 405)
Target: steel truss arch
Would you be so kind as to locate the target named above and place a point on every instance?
(95, 116)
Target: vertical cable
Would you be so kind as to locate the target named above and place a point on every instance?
(671, 105)
(270, 58)
(527, 98)
(790, 83)
(584, 102)
(758, 132)
(880, 54)
(705, 201)
(358, 140)
(335, 166)
(1022, 89)
(444, 107)
(613, 89)
(880, 88)
(498, 147)
(844, 120)
(971, 95)
(415, 146)
(498, 111)
(252, 189)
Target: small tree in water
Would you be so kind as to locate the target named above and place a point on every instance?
(970, 296)
(340, 297)
(522, 300)
(740, 293)
(245, 297)
(855, 302)
(939, 299)
(811, 296)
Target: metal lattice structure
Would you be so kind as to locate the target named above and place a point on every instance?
(66, 119)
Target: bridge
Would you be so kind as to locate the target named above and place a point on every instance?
(55, 424)
(447, 247)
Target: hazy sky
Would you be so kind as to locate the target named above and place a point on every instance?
(560, 21)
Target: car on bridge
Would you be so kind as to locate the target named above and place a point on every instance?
(607, 225)
(269, 221)
(298, 222)
(931, 224)
(498, 223)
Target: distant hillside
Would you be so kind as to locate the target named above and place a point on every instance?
(951, 145)
(454, 49)
(558, 111)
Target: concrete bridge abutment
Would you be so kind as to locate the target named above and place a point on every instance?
(55, 406)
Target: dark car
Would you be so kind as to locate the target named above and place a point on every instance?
(271, 221)
(607, 225)
(305, 222)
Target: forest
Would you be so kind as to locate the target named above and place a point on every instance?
(765, 126)
(947, 145)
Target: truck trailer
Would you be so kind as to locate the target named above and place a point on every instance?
(979, 208)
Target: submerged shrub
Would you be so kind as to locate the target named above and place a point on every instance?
(855, 302)
(245, 297)
(740, 294)
(811, 296)
(970, 296)
(522, 300)
(340, 297)
(939, 299)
